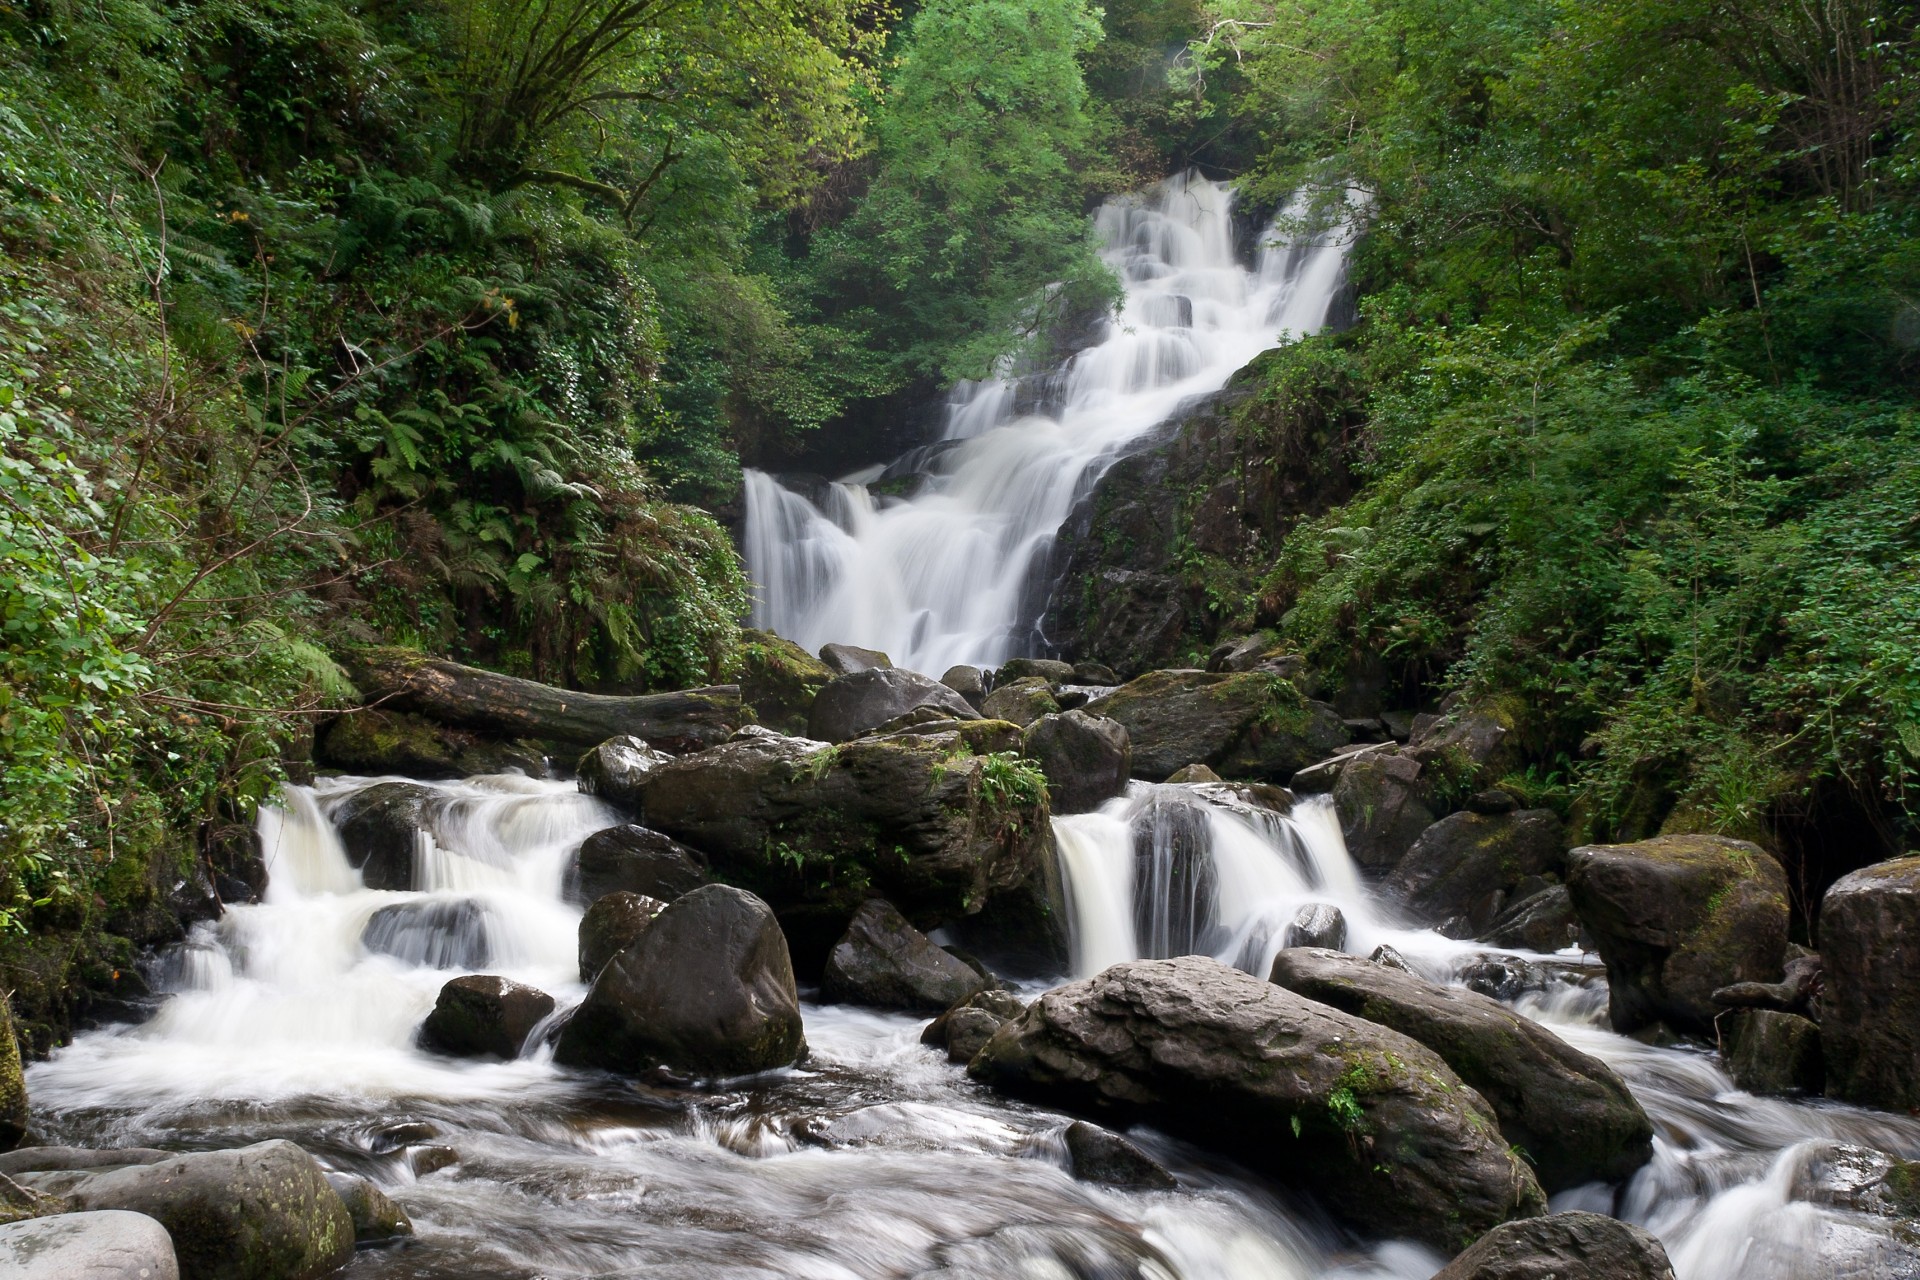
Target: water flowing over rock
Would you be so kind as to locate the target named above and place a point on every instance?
(110, 1244)
(484, 1015)
(1566, 1246)
(857, 704)
(1098, 1155)
(1367, 1119)
(1870, 1024)
(1250, 725)
(885, 962)
(1569, 1114)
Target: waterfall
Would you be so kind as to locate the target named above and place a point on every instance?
(947, 575)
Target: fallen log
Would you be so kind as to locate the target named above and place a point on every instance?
(467, 697)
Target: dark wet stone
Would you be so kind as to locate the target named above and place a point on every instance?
(1100, 1155)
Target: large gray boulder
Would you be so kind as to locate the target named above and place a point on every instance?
(379, 829)
(483, 1015)
(264, 1212)
(1464, 866)
(110, 1244)
(1570, 1116)
(1087, 758)
(854, 705)
(1246, 725)
(707, 990)
(1381, 802)
(632, 859)
(1541, 921)
(885, 962)
(612, 770)
(1676, 918)
(1566, 1246)
(1362, 1116)
(1870, 1019)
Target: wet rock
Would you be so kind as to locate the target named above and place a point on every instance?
(439, 935)
(1795, 993)
(1251, 725)
(613, 770)
(1379, 799)
(817, 830)
(483, 1015)
(884, 962)
(13, 1084)
(19, 1203)
(376, 1218)
(392, 1137)
(1676, 918)
(1093, 673)
(1387, 956)
(1465, 864)
(1566, 1246)
(427, 1160)
(374, 742)
(969, 682)
(778, 680)
(965, 1029)
(1087, 759)
(1100, 1155)
(857, 704)
(107, 1245)
(1398, 724)
(1303, 1093)
(1539, 922)
(264, 1212)
(707, 990)
(632, 859)
(611, 925)
(1047, 670)
(1771, 1053)
(1840, 1175)
(1316, 925)
(847, 659)
(1571, 1117)
(1191, 774)
(45, 1159)
(1020, 701)
(1870, 1007)
(379, 830)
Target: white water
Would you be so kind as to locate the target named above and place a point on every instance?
(946, 576)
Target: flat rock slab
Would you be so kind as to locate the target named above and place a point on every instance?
(109, 1244)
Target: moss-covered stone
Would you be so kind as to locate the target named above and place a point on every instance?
(1020, 701)
(13, 1084)
(778, 680)
(376, 742)
(1242, 725)
(1870, 1022)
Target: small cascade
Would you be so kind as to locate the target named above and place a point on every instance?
(948, 575)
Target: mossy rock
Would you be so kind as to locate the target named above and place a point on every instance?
(778, 679)
(13, 1084)
(376, 742)
(1244, 725)
(1870, 1023)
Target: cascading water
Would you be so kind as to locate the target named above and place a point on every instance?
(947, 575)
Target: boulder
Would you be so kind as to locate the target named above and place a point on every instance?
(1020, 701)
(1192, 774)
(1045, 670)
(1870, 1007)
(1248, 725)
(110, 1244)
(969, 682)
(1094, 674)
(1767, 1052)
(1242, 654)
(264, 1212)
(13, 1083)
(1676, 918)
(706, 991)
(1566, 1246)
(379, 830)
(1464, 865)
(1466, 748)
(1087, 759)
(484, 1015)
(1840, 1175)
(1366, 1118)
(376, 1218)
(443, 934)
(611, 925)
(965, 1029)
(1380, 802)
(1570, 1116)
(885, 962)
(1540, 921)
(778, 679)
(612, 770)
(1316, 925)
(920, 819)
(1100, 1155)
(375, 742)
(848, 659)
(632, 859)
(852, 706)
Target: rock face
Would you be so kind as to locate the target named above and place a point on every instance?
(1566, 1246)
(110, 1244)
(374, 742)
(885, 962)
(1463, 866)
(917, 818)
(13, 1083)
(264, 1212)
(612, 924)
(1382, 811)
(379, 829)
(483, 1015)
(1087, 759)
(1675, 919)
(633, 859)
(847, 659)
(1248, 725)
(1568, 1113)
(613, 769)
(1371, 1121)
(707, 990)
(1768, 1052)
(779, 680)
(857, 704)
(1020, 701)
(1870, 1022)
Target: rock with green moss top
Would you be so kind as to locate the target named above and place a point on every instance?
(1569, 1115)
(1676, 918)
(1870, 1020)
(1087, 758)
(922, 819)
(1246, 725)
(1366, 1118)
(1466, 749)
(13, 1084)
(1045, 670)
(1465, 866)
(778, 679)
(1020, 701)
(376, 742)
(1840, 1175)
